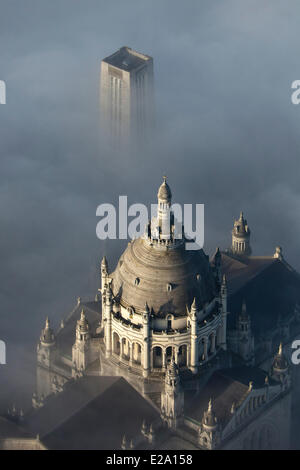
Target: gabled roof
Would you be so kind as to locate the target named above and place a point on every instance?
(225, 387)
(92, 413)
(239, 271)
(270, 287)
(9, 429)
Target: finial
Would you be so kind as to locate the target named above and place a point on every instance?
(267, 380)
(241, 215)
(250, 386)
(233, 408)
(123, 445)
(224, 280)
(280, 349)
(82, 315)
(194, 304)
(209, 405)
(278, 253)
(164, 192)
(47, 325)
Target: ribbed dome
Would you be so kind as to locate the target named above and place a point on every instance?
(164, 191)
(167, 280)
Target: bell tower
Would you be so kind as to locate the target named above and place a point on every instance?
(81, 347)
(241, 237)
(46, 356)
(172, 398)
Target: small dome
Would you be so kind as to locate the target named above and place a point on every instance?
(47, 335)
(280, 362)
(83, 323)
(209, 419)
(241, 228)
(164, 191)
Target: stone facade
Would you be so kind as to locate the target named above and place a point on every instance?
(162, 324)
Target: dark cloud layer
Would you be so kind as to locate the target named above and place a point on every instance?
(227, 136)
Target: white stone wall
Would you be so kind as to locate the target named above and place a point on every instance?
(269, 429)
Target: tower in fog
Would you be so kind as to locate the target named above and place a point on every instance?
(126, 95)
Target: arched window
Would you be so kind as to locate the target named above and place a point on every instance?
(116, 344)
(169, 352)
(182, 357)
(157, 357)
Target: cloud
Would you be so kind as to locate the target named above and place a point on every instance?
(227, 136)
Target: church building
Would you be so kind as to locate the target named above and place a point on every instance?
(176, 351)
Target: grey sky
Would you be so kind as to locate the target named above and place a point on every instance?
(227, 136)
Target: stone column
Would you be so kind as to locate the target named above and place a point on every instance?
(176, 354)
(213, 343)
(188, 355)
(224, 313)
(151, 359)
(121, 348)
(146, 360)
(205, 348)
(104, 275)
(251, 406)
(163, 358)
(194, 339)
(108, 323)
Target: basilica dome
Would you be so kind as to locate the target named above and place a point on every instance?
(167, 279)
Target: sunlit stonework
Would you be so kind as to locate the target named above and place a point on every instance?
(171, 344)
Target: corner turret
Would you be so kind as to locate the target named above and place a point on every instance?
(241, 237)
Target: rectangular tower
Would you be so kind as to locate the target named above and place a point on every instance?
(126, 95)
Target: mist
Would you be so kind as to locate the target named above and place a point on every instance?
(227, 136)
